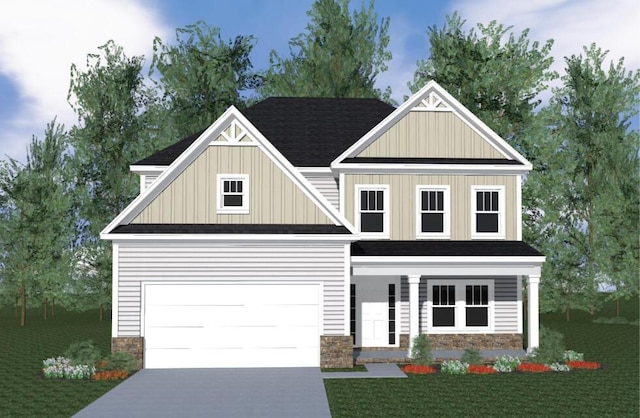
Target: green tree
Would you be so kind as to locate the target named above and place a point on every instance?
(37, 221)
(339, 55)
(200, 76)
(498, 78)
(591, 199)
(114, 130)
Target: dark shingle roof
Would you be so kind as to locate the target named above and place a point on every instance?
(407, 160)
(308, 131)
(229, 229)
(442, 248)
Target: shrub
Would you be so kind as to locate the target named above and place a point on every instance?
(571, 355)
(616, 320)
(120, 360)
(421, 350)
(471, 356)
(506, 364)
(551, 348)
(62, 368)
(83, 352)
(454, 367)
(558, 367)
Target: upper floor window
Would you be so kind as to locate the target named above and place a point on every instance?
(372, 210)
(433, 212)
(233, 193)
(488, 212)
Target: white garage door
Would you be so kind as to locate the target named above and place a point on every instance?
(232, 325)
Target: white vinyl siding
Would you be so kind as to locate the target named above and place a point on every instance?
(505, 308)
(404, 305)
(148, 179)
(209, 262)
(327, 186)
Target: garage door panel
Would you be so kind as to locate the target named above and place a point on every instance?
(232, 325)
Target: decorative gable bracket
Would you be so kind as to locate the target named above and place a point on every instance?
(431, 103)
(234, 134)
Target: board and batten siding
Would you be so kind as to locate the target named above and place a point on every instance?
(273, 196)
(208, 262)
(431, 135)
(505, 295)
(327, 186)
(402, 189)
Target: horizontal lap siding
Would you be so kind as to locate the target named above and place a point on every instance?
(217, 262)
(404, 305)
(327, 186)
(506, 304)
(148, 179)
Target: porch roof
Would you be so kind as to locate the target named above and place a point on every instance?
(432, 248)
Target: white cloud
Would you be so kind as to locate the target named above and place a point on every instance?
(572, 24)
(40, 39)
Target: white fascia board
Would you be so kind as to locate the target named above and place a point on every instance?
(148, 169)
(117, 238)
(481, 260)
(315, 170)
(178, 165)
(446, 270)
(493, 138)
(484, 169)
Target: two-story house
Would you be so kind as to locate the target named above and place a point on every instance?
(293, 231)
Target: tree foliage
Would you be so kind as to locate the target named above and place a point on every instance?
(37, 221)
(339, 55)
(589, 194)
(201, 76)
(497, 77)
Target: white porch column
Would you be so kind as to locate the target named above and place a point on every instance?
(533, 318)
(414, 309)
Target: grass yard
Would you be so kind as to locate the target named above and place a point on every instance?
(25, 394)
(612, 392)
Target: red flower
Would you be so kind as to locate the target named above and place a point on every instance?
(533, 367)
(583, 364)
(110, 375)
(418, 369)
(481, 369)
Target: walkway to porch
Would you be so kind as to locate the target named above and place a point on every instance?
(400, 356)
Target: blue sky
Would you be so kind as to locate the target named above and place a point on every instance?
(40, 39)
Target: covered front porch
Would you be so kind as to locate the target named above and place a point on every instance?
(461, 294)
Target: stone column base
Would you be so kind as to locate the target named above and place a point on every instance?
(336, 351)
(131, 345)
(477, 341)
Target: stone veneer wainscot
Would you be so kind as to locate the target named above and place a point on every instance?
(336, 351)
(131, 345)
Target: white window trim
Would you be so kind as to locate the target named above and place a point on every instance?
(461, 304)
(244, 209)
(385, 234)
(501, 213)
(446, 234)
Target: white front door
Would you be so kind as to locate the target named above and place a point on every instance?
(373, 324)
(375, 318)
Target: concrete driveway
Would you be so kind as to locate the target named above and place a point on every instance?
(264, 392)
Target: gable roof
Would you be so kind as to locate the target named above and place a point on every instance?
(432, 97)
(308, 131)
(199, 145)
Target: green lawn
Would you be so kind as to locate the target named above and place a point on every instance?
(610, 392)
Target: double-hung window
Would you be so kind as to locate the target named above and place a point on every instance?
(487, 212)
(372, 210)
(233, 193)
(433, 212)
(460, 305)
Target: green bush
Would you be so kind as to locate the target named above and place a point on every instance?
(616, 320)
(421, 351)
(120, 360)
(471, 356)
(83, 352)
(551, 349)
